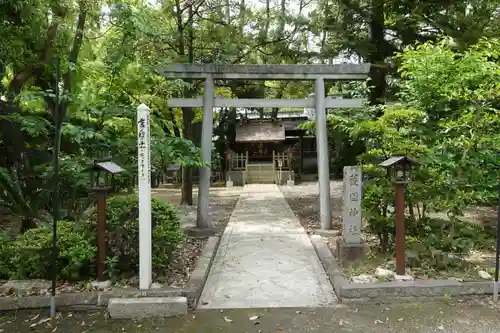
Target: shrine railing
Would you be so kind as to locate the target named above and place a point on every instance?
(237, 161)
(286, 158)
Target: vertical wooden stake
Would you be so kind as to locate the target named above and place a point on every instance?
(497, 256)
(400, 229)
(101, 232)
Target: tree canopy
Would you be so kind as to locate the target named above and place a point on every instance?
(438, 60)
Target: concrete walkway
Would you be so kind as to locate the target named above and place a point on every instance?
(265, 258)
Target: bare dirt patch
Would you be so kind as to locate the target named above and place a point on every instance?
(471, 316)
(303, 199)
(483, 216)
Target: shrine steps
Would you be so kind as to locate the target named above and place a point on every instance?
(260, 173)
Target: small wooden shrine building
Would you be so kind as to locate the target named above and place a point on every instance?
(271, 150)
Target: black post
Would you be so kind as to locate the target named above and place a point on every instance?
(498, 241)
(100, 194)
(55, 195)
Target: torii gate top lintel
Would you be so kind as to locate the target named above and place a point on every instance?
(268, 71)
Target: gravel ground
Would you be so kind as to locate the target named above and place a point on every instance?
(222, 203)
(479, 316)
(303, 199)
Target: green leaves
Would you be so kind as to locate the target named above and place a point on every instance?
(123, 230)
(438, 78)
(449, 120)
(173, 150)
(79, 134)
(31, 124)
(30, 253)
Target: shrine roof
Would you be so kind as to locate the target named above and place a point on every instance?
(257, 131)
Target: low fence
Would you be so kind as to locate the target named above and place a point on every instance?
(217, 176)
(237, 161)
(285, 160)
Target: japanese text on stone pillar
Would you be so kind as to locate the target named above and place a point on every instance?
(352, 204)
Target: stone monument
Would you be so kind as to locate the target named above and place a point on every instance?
(350, 246)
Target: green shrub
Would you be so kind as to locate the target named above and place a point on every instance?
(431, 242)
(123, 234)
(30, 254)
(5, 255)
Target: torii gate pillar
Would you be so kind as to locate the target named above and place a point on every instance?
(203, 218)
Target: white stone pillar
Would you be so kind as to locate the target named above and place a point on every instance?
(351, 214)
(144, 178)
(322, 149)
(203, 219)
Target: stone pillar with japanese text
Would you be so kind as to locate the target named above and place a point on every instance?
(351, 246)
(144, 177)
(351, 214)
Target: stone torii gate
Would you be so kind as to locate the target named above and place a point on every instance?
(319, 73)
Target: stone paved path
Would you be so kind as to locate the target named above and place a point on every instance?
(265, 258)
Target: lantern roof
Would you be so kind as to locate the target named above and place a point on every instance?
(107, 166)
(110, 167)
(398, 160)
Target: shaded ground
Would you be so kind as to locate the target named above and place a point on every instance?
(467, 317)
(304, 201)
(183, 263)
(485, 216)
(222, 203)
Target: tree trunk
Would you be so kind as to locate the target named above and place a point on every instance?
(187, 173)
(27, 223)
(227, 8)
(377, 53)
(279, 95)
(242, 17)
(187, 113)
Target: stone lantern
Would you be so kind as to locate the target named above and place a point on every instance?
(101, 178)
